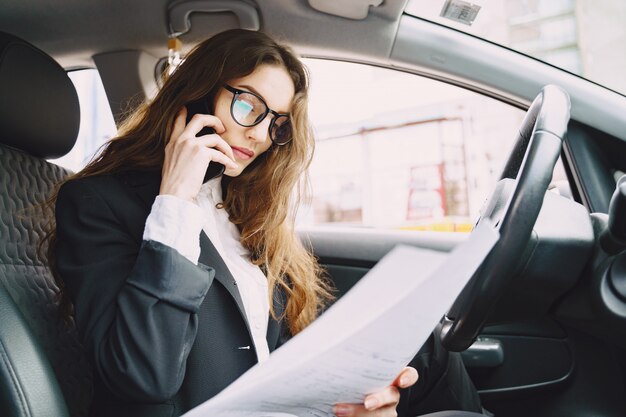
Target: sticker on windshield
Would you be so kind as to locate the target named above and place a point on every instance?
(460, 11)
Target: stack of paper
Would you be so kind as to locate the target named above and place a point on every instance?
(363, 341)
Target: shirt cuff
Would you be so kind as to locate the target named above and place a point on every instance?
(176, 223)
(164, 274)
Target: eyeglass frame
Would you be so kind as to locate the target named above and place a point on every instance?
(236, 92)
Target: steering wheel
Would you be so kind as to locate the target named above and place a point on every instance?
(512, 209)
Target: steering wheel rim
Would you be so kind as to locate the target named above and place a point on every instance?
(512, 209)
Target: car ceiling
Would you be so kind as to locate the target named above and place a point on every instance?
(73, 31)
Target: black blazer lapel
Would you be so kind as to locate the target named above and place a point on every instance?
(210, 256)
(274, 327)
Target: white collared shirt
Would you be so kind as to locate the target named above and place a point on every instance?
(177, 223)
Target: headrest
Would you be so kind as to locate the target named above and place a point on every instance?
(39, 110)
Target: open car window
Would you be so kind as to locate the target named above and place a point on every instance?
(394, 150)
(400, 151)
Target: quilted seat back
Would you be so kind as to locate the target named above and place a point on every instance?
(43, 368)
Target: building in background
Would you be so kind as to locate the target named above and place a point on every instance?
(425, 167)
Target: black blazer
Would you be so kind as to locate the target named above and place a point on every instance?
(163, 334)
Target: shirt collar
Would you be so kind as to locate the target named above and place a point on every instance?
(212, 189)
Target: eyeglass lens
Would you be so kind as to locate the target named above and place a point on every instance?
(248, 110)
(281, 130)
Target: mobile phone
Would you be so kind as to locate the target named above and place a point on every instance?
(201, 106)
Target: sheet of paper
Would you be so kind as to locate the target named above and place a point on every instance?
(363, 341)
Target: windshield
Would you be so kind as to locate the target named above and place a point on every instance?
(584, 37)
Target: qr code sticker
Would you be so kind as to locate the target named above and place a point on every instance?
(460, 11)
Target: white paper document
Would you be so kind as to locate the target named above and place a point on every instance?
(363, 341)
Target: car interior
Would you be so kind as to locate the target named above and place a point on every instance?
(540, 325)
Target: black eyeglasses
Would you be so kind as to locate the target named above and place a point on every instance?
(249, 109)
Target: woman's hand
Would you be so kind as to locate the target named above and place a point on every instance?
(187, 156)
(381, 403)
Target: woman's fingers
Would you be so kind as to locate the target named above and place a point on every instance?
(383, 402)
(387, 396)
(195, 125)
(358, 410)
(199, 121)
(217, 156)
(215, 141)
(408, 377)
(187, 156)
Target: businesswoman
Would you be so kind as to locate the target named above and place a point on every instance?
(179, 278)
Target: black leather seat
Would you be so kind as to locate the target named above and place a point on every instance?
(43, 370)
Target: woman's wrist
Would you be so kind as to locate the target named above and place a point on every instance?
(177, 223)
(172, 191)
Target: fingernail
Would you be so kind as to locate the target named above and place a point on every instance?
(404, 381)
(371, 403)
(341, 410)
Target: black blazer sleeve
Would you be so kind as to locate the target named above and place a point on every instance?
(135, 302)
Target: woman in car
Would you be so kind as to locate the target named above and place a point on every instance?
(180, 279)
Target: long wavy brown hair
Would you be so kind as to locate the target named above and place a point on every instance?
(262, 200)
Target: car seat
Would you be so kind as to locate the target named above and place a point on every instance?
(43, 369)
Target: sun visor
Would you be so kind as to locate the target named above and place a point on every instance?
(351, 9)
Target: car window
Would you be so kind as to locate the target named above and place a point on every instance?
(96, 120)
(394, 150)
(399, 151)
